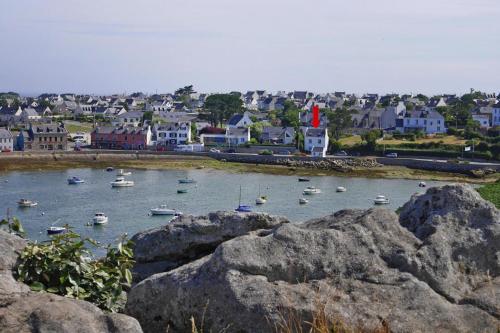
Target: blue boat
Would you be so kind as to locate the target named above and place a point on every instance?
(75, 181)
(55, 230)
(243, 208)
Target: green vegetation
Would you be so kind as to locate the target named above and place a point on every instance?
(13, 226)
(63, 266)
(221, 107)
(78, 127)
(339, 120)
(491, 192)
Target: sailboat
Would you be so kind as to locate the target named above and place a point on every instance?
(261, 199)
(243, 208)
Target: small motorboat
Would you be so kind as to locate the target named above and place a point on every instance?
(55, 230)
(75, 181)
(422, 184)
(122, 172)
(244, 209)
(303, 201)
(187, 181)
(304, 179)
(381, 200)
(182, 191)
(341, 189)
(121, 182)
(109, 169)
(311, 190)
(261, 200)
(26, 203)
(163, 210)
(100, 218)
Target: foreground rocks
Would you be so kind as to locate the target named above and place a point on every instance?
(188, 238)
(24, 311)
(436, 267)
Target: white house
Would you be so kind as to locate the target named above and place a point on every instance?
(482, 119)
(430, 122)
(6, 140)
(174, 133)
(30, 114)
(240, 120)
(316, 141)
(495, 115)
(132, 118)
(280, 135)
(237, 136)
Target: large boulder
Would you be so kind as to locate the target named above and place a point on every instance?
(188, 238)
(24, 311)
(362, 267)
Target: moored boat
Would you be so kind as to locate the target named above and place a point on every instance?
(121, 182)
(341, 189)
(163, 210)
(55, 230)
(304, 179)
(100, 218)
(187, 181)
(422, 184)
(261, 200)
(182, 191)
(243, 208)
(311, 190)
(109, 169)
(122, 172)
(27, 203)
(75, 180)
(381, 200)
(303, 201)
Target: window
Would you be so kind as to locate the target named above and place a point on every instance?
(319, 140)
(438, 128)
(439, 121)
(242, 140)
(310, 141)
(40, 139)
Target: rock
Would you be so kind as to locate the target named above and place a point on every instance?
(24, 311)
(188, 238)
(364, 267)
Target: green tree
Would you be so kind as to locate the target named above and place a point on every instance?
(338, 121)
(148, 115)
(186, 90)
(194, 131)
(371, 138)
(221, 107)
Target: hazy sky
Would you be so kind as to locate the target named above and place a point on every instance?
(107, 46)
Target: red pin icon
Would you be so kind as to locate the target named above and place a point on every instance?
(315, 119)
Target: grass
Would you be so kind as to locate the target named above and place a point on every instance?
(80, 127)
(491, 192)
(449, 139)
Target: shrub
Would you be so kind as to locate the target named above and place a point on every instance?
(266, 152)
(63, 266)
(14, 226)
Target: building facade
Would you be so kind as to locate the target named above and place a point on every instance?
(47, 137)
(123, 137)
(6, 140)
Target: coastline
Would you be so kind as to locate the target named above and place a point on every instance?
(130, 160)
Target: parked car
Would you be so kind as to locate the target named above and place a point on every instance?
(213, 150)
(231, 151)
(340, 153)
(392, 155)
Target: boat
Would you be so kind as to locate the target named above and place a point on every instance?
(341, 189)
(122, 172)
(163, 210)
(303, 201)
(261, 199)
(243, 208)
(26, 203)
(75, 181)
(55, 230)
(380, 200)
(181, 191)
(100, 218)
(304, 179)
(121, 182)
(422, 184)
(187, 181)
(311, 190)
(109, 169)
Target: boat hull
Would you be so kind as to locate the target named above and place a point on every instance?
(162, 212)
(122, 184)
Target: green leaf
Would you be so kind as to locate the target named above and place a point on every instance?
(37, 286)
(128, 276)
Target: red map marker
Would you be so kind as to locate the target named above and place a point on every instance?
(315, 120)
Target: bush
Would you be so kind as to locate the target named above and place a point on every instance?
(63, 266)
(266, 152)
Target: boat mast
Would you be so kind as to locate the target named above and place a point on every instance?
(239, 202)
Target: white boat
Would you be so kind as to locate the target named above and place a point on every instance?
(163, 210)
(422, 184)
(303, 201)
(26, 203)
(100, 218)
(122, 172)
(311, 190)
(75, 180)
(55, 230)
(121, 182)
(381, 200)
(261, 199)
(341, 189)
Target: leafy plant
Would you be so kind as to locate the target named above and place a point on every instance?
(64, 266)
(13, 226)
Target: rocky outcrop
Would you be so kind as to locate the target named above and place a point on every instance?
(188, 238)
(24, 311)
(433, 268)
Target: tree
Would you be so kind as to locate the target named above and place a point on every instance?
(194, 131)
(338, 121)
(148, 115)
(221, 107)
(186, 90)
(256, 130)
(371, 138)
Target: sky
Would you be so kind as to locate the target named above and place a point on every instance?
(359, 46)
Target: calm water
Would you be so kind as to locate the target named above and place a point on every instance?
(128, 208)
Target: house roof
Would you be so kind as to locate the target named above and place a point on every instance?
(315, 132)
(5, 134)
(212, 130)
(119, 130)
(48, 128)
(171, 126)
(235, 119)
(131, 114)
(238, 131)
(276, 132)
